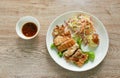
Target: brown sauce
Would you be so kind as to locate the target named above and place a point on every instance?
(29, 29)
(95, 38)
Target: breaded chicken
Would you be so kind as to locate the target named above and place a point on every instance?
(79, 58)
(70, 51)
(67, 33)
(61, 31)
(58, 30)
(60, 39)
(67, 44)
(76, 56)
(82, 60)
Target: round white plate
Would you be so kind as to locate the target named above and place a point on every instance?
(100, 51)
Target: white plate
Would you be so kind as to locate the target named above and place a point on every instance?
(100, 51)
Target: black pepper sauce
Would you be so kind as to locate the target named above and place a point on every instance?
(29, 29)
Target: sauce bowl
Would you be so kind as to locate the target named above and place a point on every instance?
(24, 20)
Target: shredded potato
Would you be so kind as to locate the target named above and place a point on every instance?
(83, 26)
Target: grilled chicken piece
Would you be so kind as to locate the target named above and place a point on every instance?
(81, 61)
(76, 56)
(67, 44)
(70, 51)
(61, 31)
(60, 39)
(79, 58)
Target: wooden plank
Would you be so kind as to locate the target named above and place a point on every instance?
(30, 59)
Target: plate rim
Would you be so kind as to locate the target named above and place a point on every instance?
(65, 13)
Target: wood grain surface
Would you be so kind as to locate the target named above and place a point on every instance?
(30, 59)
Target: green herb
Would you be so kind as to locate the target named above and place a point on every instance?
(91, 56)
(75, 37)
(78, 40)
(52, 46)
(60, 54)
(87, 60)
(74, 63)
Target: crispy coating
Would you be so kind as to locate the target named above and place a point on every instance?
(67, 44)
(58, 30)
(67, 33)
(61, 31)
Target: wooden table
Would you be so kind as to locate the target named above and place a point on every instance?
(30, 59)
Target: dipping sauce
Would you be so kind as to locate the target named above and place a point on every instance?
(29, 29)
